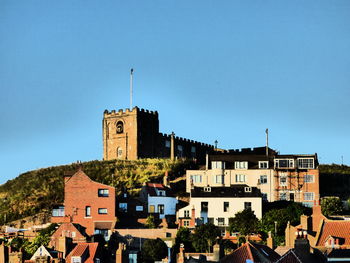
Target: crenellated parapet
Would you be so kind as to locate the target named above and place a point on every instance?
(185, 141)
(121, 112)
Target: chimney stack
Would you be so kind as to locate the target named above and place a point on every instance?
(270, 241)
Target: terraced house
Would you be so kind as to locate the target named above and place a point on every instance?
(279, 177)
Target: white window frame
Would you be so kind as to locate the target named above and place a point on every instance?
(309, 196)
(283, 183)
(303, 163)
(240, 178)
(309, 178)
(247, 189)
(103, 192)
(186, 213)
(196, 178)
(76, 259)
(291, 163)
(186, 223)
(217, 165)
(263, 179)
(283, 194)
(207, 189)
(263, 164)
(161, 193)
(219, 179)
(221, 221)
(102, 211)
(241, 165)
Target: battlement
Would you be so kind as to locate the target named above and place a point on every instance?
(184, 140)
(122, 112)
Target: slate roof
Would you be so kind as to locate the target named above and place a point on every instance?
(88, 249)
(253, 252)
(289, 257)
(232, 191)
(152, 187)
(337, 229)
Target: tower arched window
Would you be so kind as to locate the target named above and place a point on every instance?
(120, 127)
(119, 152)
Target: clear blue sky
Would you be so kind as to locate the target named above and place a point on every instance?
(214, 70)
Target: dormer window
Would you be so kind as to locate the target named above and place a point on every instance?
(284, 163)
(161, 193)
(241, 165)
(247, 189)
(217, 165)
(306, 163)
(263, 164)
(120, 127)
(207, 189)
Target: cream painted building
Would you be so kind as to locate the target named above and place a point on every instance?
(219, 177)
(217, 204)
(279, 177)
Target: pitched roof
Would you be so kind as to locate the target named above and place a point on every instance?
(67, 229)
(152, 189)
(289, 257)
(81, 176)
(338, 229)
(81, 249)
(253, 252)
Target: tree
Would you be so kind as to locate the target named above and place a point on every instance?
(331, 205)
(204, 237)
(245, 222)
(183, 236)
(291, 213)
(154, 250)
(150, 222)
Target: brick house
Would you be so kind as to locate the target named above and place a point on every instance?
(88, 203)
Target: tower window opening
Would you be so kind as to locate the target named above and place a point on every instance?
(120, 127)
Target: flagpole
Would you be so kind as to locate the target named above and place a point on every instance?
(131, 86)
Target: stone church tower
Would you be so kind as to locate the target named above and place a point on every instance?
(129, 135)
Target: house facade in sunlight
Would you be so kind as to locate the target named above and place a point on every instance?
(279, 177)
(88, 203)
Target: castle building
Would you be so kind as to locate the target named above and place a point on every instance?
(134, 134)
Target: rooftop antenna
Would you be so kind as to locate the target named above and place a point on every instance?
(131, 83)
(267, 142)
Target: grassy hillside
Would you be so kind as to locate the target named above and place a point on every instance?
(335, 180)
(39, 190)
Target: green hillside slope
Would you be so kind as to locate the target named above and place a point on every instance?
(41, 189)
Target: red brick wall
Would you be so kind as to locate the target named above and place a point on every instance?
(80, 191)
(295, 182)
